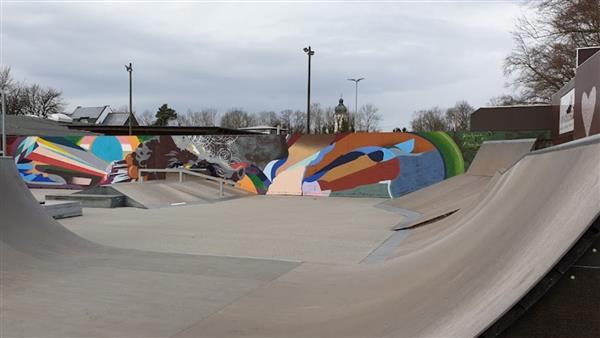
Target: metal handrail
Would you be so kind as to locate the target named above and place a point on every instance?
(221, 181)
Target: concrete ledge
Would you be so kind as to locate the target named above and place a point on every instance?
(63, 209)
(92, 201)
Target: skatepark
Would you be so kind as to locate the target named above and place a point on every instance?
(356, 234)
(302, 265)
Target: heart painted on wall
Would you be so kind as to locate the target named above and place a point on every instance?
(588, 105)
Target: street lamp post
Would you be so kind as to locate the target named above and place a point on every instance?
(3, 122)
(310, 52)
(129, 69)
(356, 81)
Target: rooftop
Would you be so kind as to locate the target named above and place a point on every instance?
(31, 126)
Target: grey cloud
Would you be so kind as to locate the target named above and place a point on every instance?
(249, 55)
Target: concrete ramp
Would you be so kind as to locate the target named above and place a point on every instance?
(160, 194)
(455, 278)
(494, 156)
(57, 284)
(446, 197)
(456, 281)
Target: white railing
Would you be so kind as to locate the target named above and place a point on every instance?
(181, 172)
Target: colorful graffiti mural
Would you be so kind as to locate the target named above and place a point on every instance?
(354, 164)
(360, 164)
(82, 162)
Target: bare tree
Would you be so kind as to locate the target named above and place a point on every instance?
(285, 116)
(298, 122)
(368, 118)
(183, 119)
(237, 118)
(206, 117)
(429, 120)
(458, 117)
(268, 118)
(22, 99)
(506, 100)
(6, 80)
(41, 101)
(146, 118)
(543, 58)
(328, 120)
(316, 118)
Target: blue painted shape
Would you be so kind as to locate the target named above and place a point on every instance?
(387, 153)
(349, 157)
(29, 177)
(376, 156)
(268, 169)
(418, 171)
(322, 154)
(276, 166)
(407, 146)
(107, 148)
(24, 166)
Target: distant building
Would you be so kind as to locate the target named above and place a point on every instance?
(60, 117)
(341, 118)
(513, 118)
(103, 115)
(266, 130)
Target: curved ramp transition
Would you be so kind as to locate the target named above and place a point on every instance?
(448, 196)
(56, 284)
(456, 280)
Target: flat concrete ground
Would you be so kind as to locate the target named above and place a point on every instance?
(310, 229)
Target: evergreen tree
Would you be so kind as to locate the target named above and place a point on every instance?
(164, 115)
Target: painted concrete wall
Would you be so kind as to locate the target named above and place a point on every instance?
(353, 164)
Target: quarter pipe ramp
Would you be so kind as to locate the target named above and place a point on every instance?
(455, 281)
(455, 193)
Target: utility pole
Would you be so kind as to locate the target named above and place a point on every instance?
(129, 69)
(3, 122)
(310, 52)
(356, 81)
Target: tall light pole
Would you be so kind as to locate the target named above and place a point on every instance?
(3, 123)
(356, 81)
(310, 52)
(129, 69)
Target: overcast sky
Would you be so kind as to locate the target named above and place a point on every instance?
(192, 55)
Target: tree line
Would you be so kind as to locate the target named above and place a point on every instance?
(322, 118)
(456, 118)
(542, 61)
(29, 99)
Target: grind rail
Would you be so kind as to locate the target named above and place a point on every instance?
(183, 172)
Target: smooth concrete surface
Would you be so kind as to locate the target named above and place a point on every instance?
(453, 282)
(455, 193)
(62, 209)
(313, 229)
(161, 194)
(494, 156)
(57, 284)
(91, 201)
